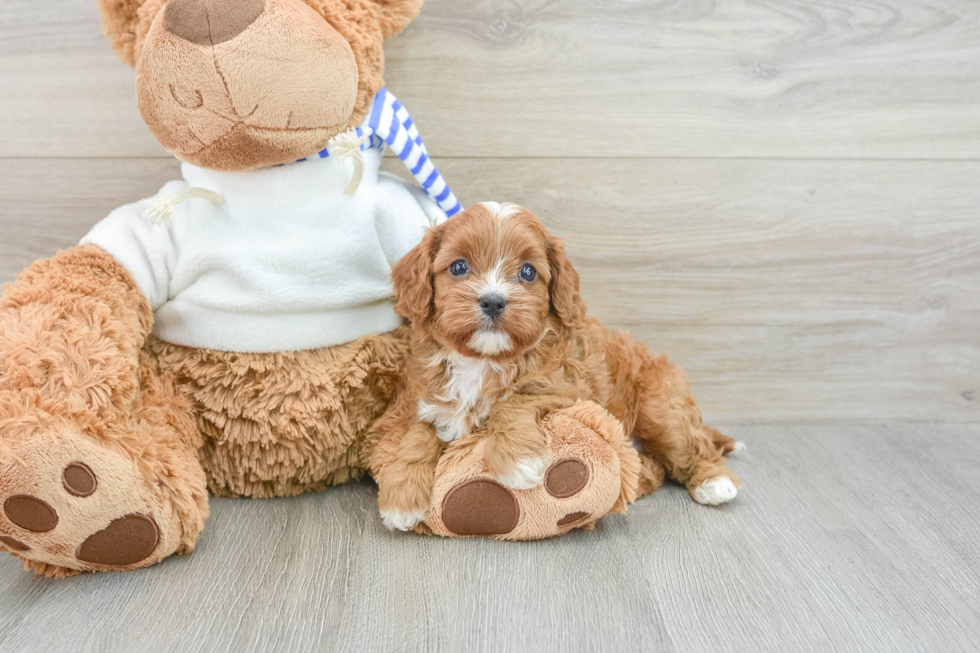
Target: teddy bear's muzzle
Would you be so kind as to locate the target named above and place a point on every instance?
(239, 85)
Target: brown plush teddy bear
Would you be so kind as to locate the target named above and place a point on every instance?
(236, 333)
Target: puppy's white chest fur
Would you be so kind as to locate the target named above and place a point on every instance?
(463, 402)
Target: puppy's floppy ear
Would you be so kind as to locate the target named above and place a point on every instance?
(566, 302)
(395, 15)
(413, 280)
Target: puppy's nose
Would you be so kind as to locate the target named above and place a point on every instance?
(493, 305)
(209, 22)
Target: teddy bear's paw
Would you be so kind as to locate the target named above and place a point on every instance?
(395, 520)
(590, 470)
(715, 491)
(70, 504)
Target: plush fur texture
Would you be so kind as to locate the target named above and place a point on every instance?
(555, 356)
(236, 102)
(82, 381)
(235, 105)
(75, 383)
(126, 23)
(282, 424)
(84, 384)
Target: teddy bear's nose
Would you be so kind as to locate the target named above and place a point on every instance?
(209, 22)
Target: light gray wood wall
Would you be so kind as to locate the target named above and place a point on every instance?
(783, 196)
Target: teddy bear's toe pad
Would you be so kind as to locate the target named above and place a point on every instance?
(566, 478)
(30, 513)
(125, 541)
(480, 506)
(74, 503)
(572, 517)
(12, 544)
(79, 480)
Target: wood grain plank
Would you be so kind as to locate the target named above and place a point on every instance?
(826, 550)
(501, 598)
(624, 78)
(267, 575)
(789, 290)
(849, 538)
(49, 204)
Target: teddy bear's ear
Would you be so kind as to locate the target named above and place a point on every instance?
(126, 22)
(395, 15)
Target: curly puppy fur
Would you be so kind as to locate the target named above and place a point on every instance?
(543, 354)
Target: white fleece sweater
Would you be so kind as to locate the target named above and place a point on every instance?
(288, 262)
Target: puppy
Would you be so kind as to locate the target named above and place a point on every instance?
(500, 338)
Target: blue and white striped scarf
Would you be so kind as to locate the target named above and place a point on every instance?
(389, 124)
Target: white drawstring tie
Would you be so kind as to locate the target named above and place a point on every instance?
(160, 210)
(348, 146)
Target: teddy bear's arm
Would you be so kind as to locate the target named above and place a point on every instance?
(71, 328)
(148, 251)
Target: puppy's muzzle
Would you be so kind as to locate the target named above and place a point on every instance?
(493, 305)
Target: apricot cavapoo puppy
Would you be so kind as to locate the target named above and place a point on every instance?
(500, 338)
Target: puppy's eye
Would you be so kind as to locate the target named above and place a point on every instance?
(458, 268)
(528, 273)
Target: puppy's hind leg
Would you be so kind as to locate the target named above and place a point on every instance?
(672, 431)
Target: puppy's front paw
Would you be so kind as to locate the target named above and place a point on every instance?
(525, 474)
(402, 521)
(715, 491)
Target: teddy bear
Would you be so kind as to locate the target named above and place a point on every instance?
(235, 335)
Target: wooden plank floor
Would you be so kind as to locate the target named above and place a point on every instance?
(851, 538)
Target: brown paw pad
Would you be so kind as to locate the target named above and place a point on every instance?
(125, 541)
(79, 480)
(572, 517)
(30, 513)
(566, 478)
(480, 506)
(12, 544)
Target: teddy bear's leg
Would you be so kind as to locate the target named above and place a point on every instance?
(98, 466)
(591, 471)
(125, 500)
